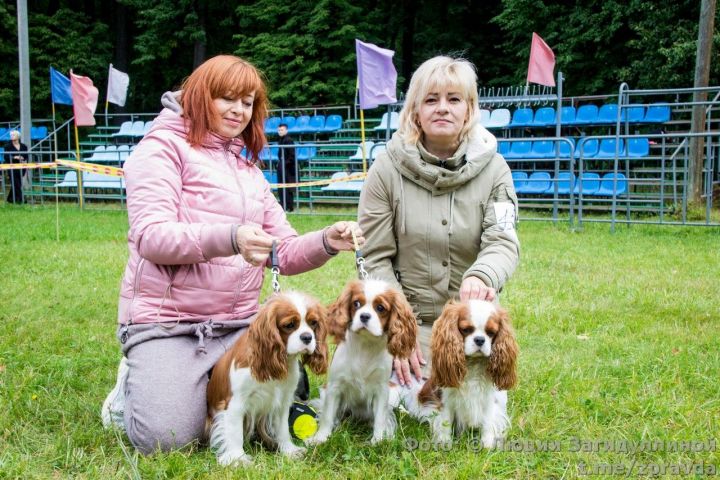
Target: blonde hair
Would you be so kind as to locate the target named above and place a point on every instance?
(15, 133)
(434, 74)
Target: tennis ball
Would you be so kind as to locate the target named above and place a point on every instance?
(303, 421)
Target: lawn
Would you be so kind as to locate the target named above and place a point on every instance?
(620, 354)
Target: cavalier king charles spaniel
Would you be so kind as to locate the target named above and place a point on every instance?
(474, 353)
(372, 323)
(252, 386)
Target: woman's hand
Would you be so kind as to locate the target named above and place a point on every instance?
(473, 287)
(403, 366)
(339, 236)
(254, 244)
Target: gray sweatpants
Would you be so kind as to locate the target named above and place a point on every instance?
(169, 366)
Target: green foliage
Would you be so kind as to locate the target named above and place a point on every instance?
(604, 355)
(600, 43)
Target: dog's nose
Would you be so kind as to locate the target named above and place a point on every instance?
(479, 341)
(364, 317)
(306, 338)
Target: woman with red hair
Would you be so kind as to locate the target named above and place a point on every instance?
(202, 223)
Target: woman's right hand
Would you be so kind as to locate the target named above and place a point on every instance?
(403, 366)
(254, 244)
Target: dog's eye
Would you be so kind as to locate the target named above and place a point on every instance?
(467, 330)
(380, 308)
(289, 326)
(313, 323)
(357, 304)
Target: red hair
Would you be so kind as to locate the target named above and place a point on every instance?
(217, 77)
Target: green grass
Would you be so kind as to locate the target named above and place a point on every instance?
(619, 337)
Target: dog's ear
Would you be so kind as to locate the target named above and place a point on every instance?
(503, 356)
(340, 311)
(447, 347)
(318, 360)
(268, 352)
(402, 327)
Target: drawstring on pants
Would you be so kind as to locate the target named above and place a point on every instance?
(203, 330)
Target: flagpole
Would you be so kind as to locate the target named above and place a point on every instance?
(79, 172)
(362, 125)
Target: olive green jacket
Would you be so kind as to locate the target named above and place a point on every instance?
(427, 228)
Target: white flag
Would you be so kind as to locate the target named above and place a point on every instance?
(117, 86)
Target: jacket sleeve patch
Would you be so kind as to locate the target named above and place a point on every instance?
(504, 216)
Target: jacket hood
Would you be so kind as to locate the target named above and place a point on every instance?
(418, 166)
(171, 118)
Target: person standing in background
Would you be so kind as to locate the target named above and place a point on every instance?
(16, 152)
(287, 173)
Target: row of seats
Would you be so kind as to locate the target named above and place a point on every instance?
(371, 151)
(570, 116)
(305, 124)
(541, 183)
(592, 148)
(272, 152)
(110, 153)
(36, 133)
(91, 180)
(134, 129)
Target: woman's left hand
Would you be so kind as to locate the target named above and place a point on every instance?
(473, 287)
(339, 236)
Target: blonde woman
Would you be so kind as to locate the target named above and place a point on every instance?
(438, 208)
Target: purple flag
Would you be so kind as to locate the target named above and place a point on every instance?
(376, 75)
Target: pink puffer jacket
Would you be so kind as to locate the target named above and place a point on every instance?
(182, 203)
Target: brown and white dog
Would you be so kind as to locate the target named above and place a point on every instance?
(251, 388)
(372, 323)
(474, 355)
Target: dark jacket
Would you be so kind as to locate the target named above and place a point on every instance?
(11, 152)
(286, 165)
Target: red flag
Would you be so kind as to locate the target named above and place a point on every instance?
(542, 62)
(85, 99)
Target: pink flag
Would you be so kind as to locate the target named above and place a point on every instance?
(542, 63)
(85, 98)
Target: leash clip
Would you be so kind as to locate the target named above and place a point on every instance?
(275, 268)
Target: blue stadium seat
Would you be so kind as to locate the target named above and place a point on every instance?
(271, 125)
(147, 127)
(317, 124)
(657, 114)
(503, 148)
(544, 116)
(633, 114)
(520, 149)
(606, 185)
(586, 114)
(123, 152)
(608, 113)
(266, 154)
(587, 148)
(38, 133)
(289, 121)
(565, 183)
(483, 117)
(567, 115)
(565, 148)
(333, 123)
(2, 155)
(589, 183)
(359, 152)
(97, 154)
(302, 125)
(305, 153)
(271, 177)
(638, 147)
(538, 182)
(543, 149)
(4, 135)
(607, 148)
(522, 117)
(519, 181)
(394, 121)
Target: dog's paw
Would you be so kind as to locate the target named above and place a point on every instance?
(235, 459)
(318, 438)
(489, 442)
(293, 452)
